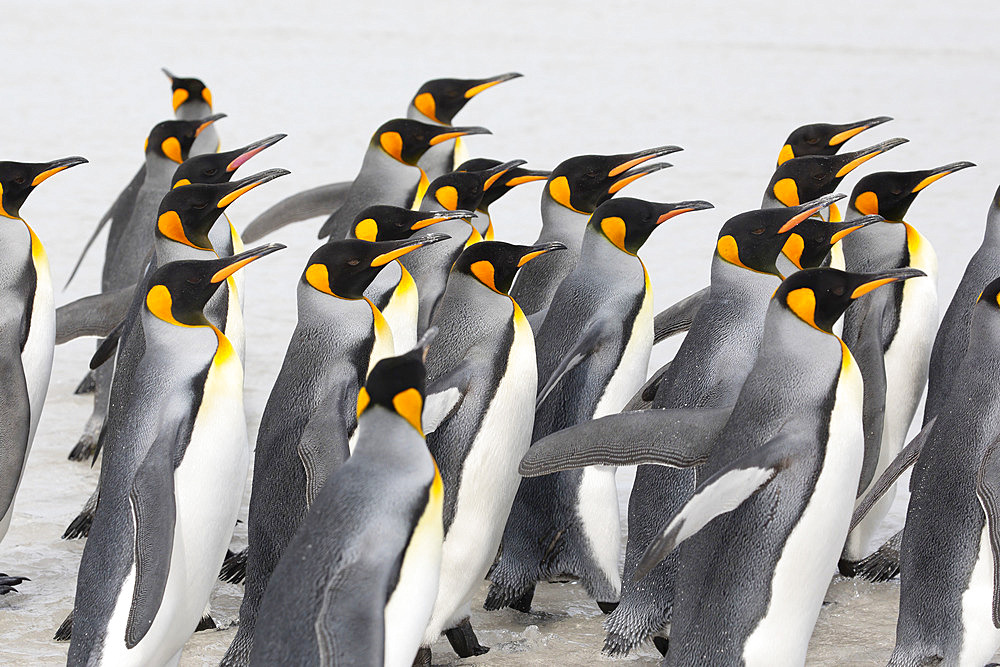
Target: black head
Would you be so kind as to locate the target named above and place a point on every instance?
(407, 140)
(628, 222)
(186, 89)
(505, 182)
(219, 167)
(466, 189)
(890, 193)
(584, 182)
(440, 99)
(752, 240)
(384, 222)
(172, 139)
(495, 263)
(18, 179)
(806, 178)
(178, 291)
(810, 242)
(398, 383)
(819, 297)
(346, 268)
(823, 138)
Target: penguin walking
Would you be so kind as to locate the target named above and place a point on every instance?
(28, 325)
(482, 365)
(901, 328)
(593, 349)
(573, 191)
(948, 602)
(172, 479)
(779, 478)
(357, 582)
(309, 418)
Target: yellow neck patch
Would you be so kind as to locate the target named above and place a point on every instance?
(787, 192)
(560, 193)
(409, 404)
(614, 228)
(802, 302)
(793, 249)
(447, 196)
(425, 104)
(363, 400)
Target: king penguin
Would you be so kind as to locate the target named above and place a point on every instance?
(357, 582)
(175, 465)
(504, 183)
(574, 189)
(593, 349)
(309, 418)
(901, 330)
(482, 361)
(823, 138)
(28, 330)
(949, 596)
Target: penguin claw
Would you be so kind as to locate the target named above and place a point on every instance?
(234, 568)
(463, 640)
(80, 526)
(8, 583)
(84, 449)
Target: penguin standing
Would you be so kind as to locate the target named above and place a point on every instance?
(172, 479)
(574, 189)
(593, 349)
(357, 582)
(949, 602)
(779, 475)
(483, 362)
(309, 417)
(901, 329)
(28, 324)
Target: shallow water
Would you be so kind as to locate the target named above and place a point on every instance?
(726, 81)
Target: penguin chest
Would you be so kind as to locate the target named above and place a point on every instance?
(382, 345)
(630, 374)
(801, 575)
(980, 638)
(401, 312)
(234, 328)
(36, 356)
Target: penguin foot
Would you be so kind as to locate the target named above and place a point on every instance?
(423, 658)
(234, 568)
(882, 565)
(80, 526)
(631, 624)
(7, 583)
(206, 623)
(65, 631)
(661, 644)
(464, 641)
(87, 446)
(607, 607)
(502, 595)
(846, 567)
(87, 385)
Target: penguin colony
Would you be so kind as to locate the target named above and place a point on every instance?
(452, 408)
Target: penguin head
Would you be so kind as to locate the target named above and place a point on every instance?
(806, 178)
(187, 213)
(584, 182)
(495, 263)
(823, 138)
(407, 140)
(819, 297)
(18, 179)
(188, 90)
(346, 268)
(810, 242)
(505, 181)
(890, 193)
(465, 189)
(172, 139)
(384, 222)
(398, 384)
(219, 167)
(439, 100)
(752, 240)
(178, 291)
(627, 222)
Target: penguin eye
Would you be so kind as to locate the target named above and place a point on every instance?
(353, 262)
(211, 171)
(897, 191)
(194, 280)
(200, 205)
(758, 231)
(838, 290)
(19, 180)
(812, 141)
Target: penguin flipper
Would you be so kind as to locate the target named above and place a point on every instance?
(680, 438)
(323, 445)
(587, 344)
(14, 423)
(988, 490)
(723, 492)
(678, 317)
(643, 399)
(311, 203)
(152, 500)
(906, 458)
(535, 320)
(445, 395)
(94, 315)
(107, 348)
(869, 352)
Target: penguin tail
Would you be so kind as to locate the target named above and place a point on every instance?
(65, 631)
(629, 625)
(80, 526)
(234, 568)
(882, 565)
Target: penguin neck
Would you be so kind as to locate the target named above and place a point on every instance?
(159, 171)
(734, 282)
(193, 109)
(221, 236)
(878, 246)
(16, 239)
(791, 346)
(326, 312)
(180, 350)
(597, 252)
(384, 435)
(562, 224)
(483, 225)
(167, 250)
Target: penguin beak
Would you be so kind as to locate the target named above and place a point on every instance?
(494, 174)
(849, 130)
(250, 150)
(847, 228)
(854, 160)
(809, 209)
(169, 75)
(455, 133)
(483, 84)
(874, 280)
(54, 167)
(237, 262)
(208, 121)
(527, 176)
(440, 216)
(939, 173)
(636, 174)
(241, 187)
(539, 250)
(637, 158)
(405, 247)
(674, 210)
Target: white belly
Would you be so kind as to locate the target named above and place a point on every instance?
(235, 331)
(980, 639)
(802, 574)
(489, 483)
(401, 313)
